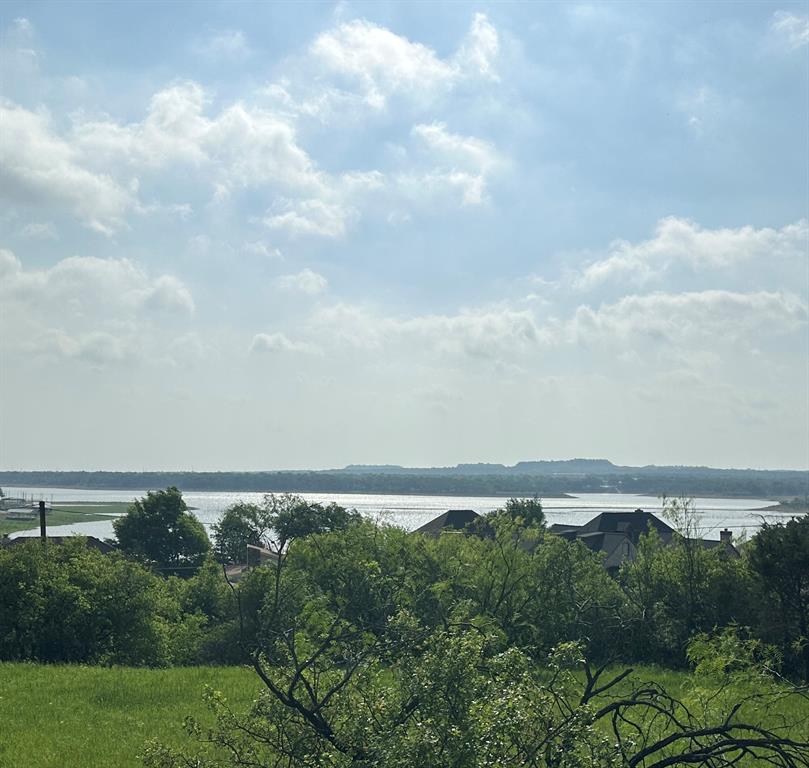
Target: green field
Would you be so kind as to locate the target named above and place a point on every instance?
(65, 514)
(100, 717)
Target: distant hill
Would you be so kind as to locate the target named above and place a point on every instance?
(563, 467)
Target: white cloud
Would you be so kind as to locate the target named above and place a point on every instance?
(311, 217)
(279, 342)
(791, 29)
(483, 333)
(95, 166)
(682, 242)
(456, 149)
(662, 324)
(259, 248)
(92, 310)
(97, 347)
(40, 230)
(464, 163)
(168, 294)
(712, 316)
(383, 63)
(306, 281)
(39, 168)
(479, 51)
(242, 145)
(86, 286)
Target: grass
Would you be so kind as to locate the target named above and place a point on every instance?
(66, 514)
(100, 717)
(60, 716)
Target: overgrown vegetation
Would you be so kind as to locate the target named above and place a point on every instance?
(375, 647)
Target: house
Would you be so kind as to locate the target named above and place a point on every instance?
(617, 534)
(451, 520)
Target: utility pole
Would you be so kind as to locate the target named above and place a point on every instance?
(42, 527)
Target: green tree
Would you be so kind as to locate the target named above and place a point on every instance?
(68, 603)
(292, 517)
(779, 555)
(527, 511)
(241, 525)
(158, 530)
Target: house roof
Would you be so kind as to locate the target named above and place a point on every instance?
(629, 524)
(607, 532)
(451, 520)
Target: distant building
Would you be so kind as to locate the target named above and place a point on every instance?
(451, 520)
(617, 534)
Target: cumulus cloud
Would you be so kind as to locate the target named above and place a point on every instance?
(664, 323)
(311, 217)
(791, 29)
(37, 167)
(95, 167)
(690, 316)
(168, 294)
(382, 63)
(82, 284)
(259, 248)
(682, 242)
(279, 342)
(97, 347)
(464, 162)
(39, 230)
(240, 145)
(306, 281)
(89, 309)
(484, 333)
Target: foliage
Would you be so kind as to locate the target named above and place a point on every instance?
(68, 603)
(159, 530)
(361, 667)
(779, 556)
(379, 648)
(241, 525)
(526, 511)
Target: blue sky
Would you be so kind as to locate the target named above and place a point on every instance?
(303, 235)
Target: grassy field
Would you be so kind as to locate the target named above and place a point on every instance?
(99, 717)
(65, 514)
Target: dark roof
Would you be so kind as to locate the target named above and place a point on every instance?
(617, 534)
(451, 520)
(91, 542)
(629, 524)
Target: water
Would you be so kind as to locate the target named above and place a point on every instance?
(409, 512)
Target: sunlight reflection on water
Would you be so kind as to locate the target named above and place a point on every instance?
(410, 512)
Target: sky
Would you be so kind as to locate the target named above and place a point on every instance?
(303, 235)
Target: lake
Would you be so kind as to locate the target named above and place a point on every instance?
(409, 512)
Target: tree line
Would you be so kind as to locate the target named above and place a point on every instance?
(662, 481)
